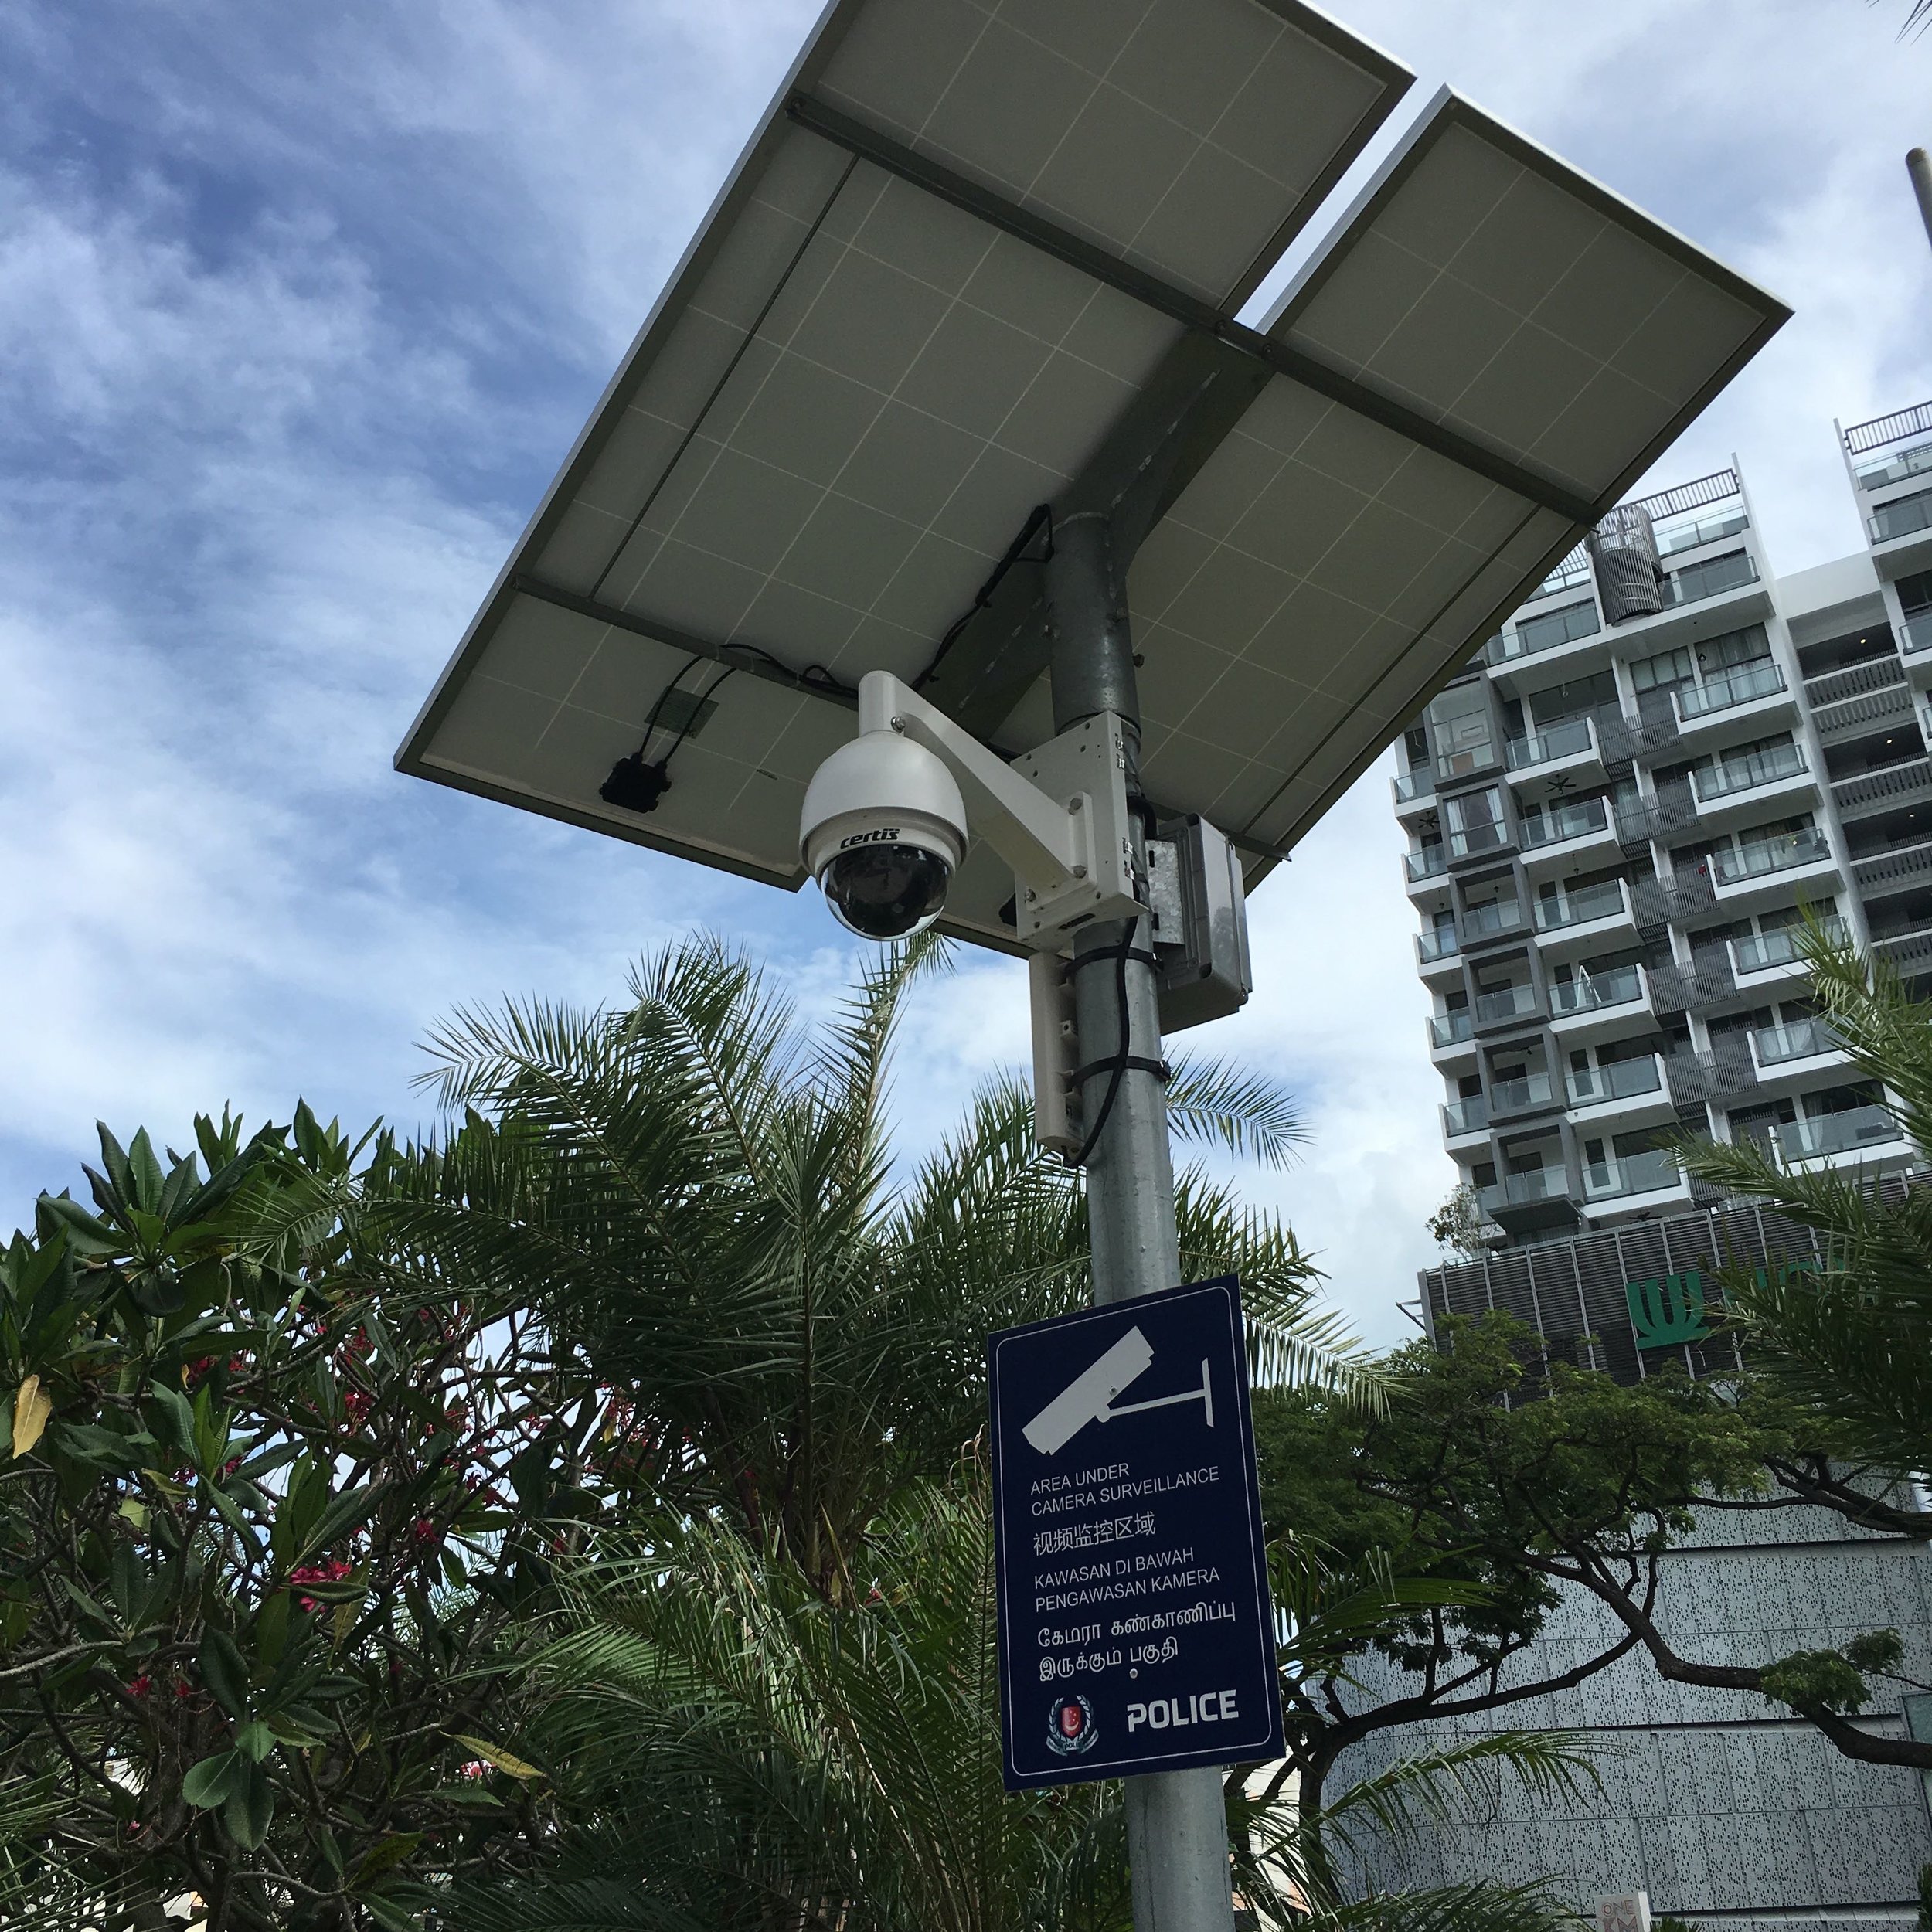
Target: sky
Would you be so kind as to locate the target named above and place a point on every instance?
(300, 311)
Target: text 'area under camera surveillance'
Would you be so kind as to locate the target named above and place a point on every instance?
(882, 832)
(1089, 1397)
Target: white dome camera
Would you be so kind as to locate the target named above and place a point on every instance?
(882, 832)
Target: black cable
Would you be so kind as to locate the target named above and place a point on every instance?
(697, 710)
(1119, 1066)
(651, 722)
(1043, 513)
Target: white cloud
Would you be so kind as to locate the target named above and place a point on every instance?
(298, 313)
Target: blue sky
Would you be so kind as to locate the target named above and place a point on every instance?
(299, 311)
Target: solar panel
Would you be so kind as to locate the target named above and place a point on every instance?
(975, 251)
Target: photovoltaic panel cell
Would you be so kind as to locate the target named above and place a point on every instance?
(860, 381)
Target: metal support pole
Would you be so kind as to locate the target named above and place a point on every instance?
(1176, 1821)
(1919, 168)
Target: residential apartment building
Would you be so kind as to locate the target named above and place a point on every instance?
(1615, 816)
(1614, 819)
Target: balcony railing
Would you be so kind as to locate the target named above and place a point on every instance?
(1757, 679)
(1916, 635)
(1439, 943)
(1465, 760)
(1895, 469)
(1546, 632)
(1616, 1080)
(1469, 1116)
(1630, 1174)
(1895, 428)
(1703, 529)
(1519, 1096)
(1471, 841)
(1766, 855)
(1520, 1190)
(1499, 916)
(1900, 518)
(1411, 785)
(1558, 822)
(1711, 578)
(1563, 740)
(1603, 900)
(1755, 768)
(1506, 1002)
(1451, 1030)
(1796, 1040)
(1782, 946)
(1430, 862)
(1574, 569)
(1856, 1126)
(1590, 992)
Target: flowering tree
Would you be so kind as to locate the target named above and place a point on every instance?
(270, 1486)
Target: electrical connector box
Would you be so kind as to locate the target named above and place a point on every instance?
(1199, 904)
(1084, 770)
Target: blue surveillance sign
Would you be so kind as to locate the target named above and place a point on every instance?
(1136, 1632)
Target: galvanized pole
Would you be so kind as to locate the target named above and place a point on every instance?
(1176, 1821)
(1919, 168)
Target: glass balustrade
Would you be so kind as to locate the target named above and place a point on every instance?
(1446, 1030)
(1411, 785)
(1519, 1095)
(1507, 1002)
(1712, 577)
(1588, 992)
(1782, 946)
(1520, 1190)
(1705, 530)
(1616, 1080)
(1469, 1116)
(1499, 916)
(1917, 635)
(1578, 908)
(1563, 740)
(1895, 469)
(1441, 944)
(1842, 1133)
(1557, 823)
(1757, 679)
(1430, 862)
(1902, 517)
(1473, 839)
(1546, 632)
(1797, 1039)
(1764, 856)
(1630, 1174)
(1755, 768)
(1471, 757)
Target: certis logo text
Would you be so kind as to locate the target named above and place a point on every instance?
(1165, 1713)
(882, 835)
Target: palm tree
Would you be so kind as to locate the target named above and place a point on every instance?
(702, 1199)
(1851, 1339)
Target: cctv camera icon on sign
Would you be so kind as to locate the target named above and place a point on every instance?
(1090, 1397)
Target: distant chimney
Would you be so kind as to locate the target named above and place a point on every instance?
(1920, 170)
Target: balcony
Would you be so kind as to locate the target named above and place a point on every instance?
(1887, 789)
(1616, 1080)
(1655, 1171)
(1620, 992)
(1569, 749)
(1796, 1050)
(1778, 952)
(1439, 944)
(1748, 785)
(1524, 1190)
(1700, 531)
(1479, 841)
(1858, 1130)
(1699, 583)
(1506, 1005)
(1732, 704)
(1549, 630)
(1499, 916)
(1466, 761)
(1557, 823)
(1461, 1118)
(1431, 862)
(1451, 1030)
(1897, 469)
(1413, 788)
(1903, 516)
(1902, 868)
(1766, 868)
(1585, 913)
(1915, 634)
(1531, 1094)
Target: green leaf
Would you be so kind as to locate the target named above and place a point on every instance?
(495, 1754)
(386, 1856)
(250, 1809)
(208, 1783)
(390, 1916)
(349, 1511)
(173, 1420)
(254, 1741)
(225, 1671)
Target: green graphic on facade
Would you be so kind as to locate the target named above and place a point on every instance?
(1667, 1313)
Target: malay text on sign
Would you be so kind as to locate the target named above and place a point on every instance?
(1135, 1629)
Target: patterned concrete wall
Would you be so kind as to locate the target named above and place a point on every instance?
(1718, 1808)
